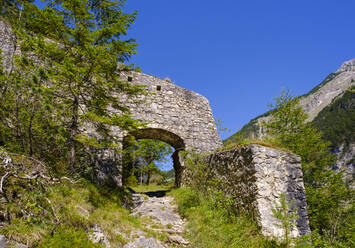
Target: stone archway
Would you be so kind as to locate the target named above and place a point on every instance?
(166, 136)
(177, 116)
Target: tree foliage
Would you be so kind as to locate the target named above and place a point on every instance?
(146, 153)
(286, 214)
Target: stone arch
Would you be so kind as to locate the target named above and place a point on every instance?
(160, 134)
(168, 137)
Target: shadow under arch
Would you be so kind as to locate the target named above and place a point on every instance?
(162, 135)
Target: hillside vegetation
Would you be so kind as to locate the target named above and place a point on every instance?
(248, 132)
(333, 85)
(337, 120)
(328, 79)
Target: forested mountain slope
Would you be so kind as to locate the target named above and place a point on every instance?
(337, 122)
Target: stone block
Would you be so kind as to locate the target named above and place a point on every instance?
(255, 177)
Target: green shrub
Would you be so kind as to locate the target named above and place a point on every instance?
(68, 237)
(131, 180)
(186, 199)
(287, 216)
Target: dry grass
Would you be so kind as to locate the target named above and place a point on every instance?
(244, 143)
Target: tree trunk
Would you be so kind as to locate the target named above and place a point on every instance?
(148, 179)
(30, 135)
(73, 133)
(141, 177)
(19, 134)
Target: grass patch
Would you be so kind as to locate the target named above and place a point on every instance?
(26, 233)
(68, 237)
(212, 226)
(243, 143)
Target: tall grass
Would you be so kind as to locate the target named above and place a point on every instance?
(211, 224)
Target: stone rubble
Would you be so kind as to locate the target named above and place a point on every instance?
(143, 242)
(98, 236)
(4, 243)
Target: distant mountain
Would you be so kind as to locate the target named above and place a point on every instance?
(333, 86)
(330, 107)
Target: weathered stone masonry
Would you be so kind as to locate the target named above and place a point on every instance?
(255, 177)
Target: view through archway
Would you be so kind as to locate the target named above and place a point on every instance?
(152, 158)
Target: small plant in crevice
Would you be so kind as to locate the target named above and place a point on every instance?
(287, 216)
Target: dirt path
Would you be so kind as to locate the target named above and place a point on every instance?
(163, 218)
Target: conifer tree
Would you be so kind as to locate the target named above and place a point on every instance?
(27, 125)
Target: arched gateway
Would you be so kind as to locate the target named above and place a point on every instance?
(177, 116)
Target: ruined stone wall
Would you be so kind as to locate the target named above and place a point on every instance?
(177, 116)
(255, 176)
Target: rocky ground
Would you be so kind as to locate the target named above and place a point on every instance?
(162, 217)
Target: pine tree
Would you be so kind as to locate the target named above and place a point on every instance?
(27, 125)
